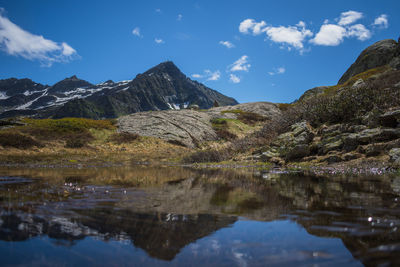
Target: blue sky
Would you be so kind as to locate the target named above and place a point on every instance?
(250, 50)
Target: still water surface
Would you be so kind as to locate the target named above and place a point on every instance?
(158, 216)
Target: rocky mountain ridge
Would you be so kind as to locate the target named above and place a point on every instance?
(162, 87)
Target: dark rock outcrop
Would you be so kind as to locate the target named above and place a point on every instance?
(381, 53)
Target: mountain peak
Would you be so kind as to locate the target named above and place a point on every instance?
(166, 67)
(69, 84)
(72, 78)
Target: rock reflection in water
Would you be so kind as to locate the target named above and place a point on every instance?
(166, 211)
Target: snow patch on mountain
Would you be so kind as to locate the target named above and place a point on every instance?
(3, 95)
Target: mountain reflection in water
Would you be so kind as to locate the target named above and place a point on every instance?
(164, 215)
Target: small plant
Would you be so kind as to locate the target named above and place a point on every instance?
(62, 128)
(206, 156)
(17, 140)
(75, 143)
(234, 111)
(219, 122)
(225, 134)
(284, 106)
(78, 140)
(251, 118)
(123, 137)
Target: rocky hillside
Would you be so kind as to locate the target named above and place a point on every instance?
(160, 88)
(357, 120)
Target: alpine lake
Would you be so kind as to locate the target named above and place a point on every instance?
(179, 216)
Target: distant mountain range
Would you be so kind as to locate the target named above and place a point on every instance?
(162, 87)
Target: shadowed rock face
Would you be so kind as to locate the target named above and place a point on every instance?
(379, 54)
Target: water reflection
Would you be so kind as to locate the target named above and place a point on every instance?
(220, 217)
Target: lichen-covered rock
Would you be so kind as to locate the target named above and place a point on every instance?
(331, 144)
(368, 136)
(266, 109)
(359, 84)
(186, 127)
(297, 152)
(332, 158)
(294, 144)
(270, 153)
(394, 155)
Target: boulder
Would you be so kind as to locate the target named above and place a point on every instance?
(369, 136)
(297, 152)
(266, 109)
(359, 84)
(295, 144)
(185, 127)
(331, 144)
(394, 155)
(390, 118)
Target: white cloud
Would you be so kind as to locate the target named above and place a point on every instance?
(280, 70)
(291, 35)
(249, 25)
(329, 35)
(208, 75)
(158, 10)
(349, 17)
(382, 21)
(136, 31)
(334, 34)
(213, 76)
(159, 40)
(67, 50)
(227, 44)
(16, 41)
(233, 78)
(179, 18)
(241, 64)
(358, 31)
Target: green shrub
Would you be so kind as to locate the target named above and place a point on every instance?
(349, 104)
(123, 137)
(251, 118)
(75, 143)
(225, 134)
(17, 140)
(62, 128)
(206, 156)
(284, 106)
(78, 140)
(218, 122)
